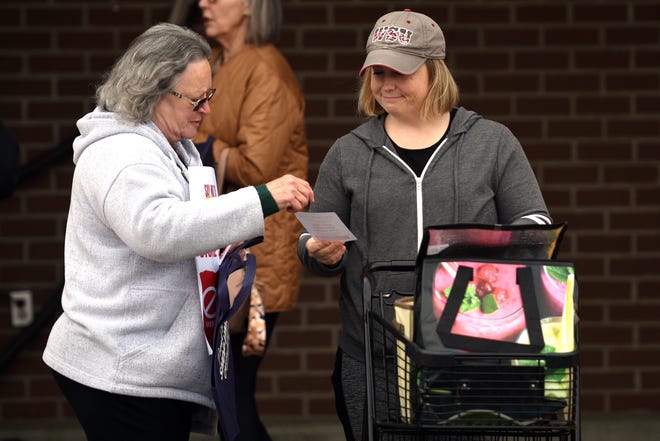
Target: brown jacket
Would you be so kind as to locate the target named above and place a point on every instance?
(257, 120)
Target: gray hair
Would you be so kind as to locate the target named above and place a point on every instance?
(149, 69)
(265, 21)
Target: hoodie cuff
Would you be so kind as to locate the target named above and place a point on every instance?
(268, 204)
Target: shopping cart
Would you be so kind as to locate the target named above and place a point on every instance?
(414, 394)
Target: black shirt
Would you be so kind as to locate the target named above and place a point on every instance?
(418, 158)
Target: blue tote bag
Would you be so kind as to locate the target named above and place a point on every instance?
(235, 279)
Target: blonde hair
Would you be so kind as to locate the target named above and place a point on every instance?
(441, 97)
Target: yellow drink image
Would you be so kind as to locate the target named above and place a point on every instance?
(557, 381)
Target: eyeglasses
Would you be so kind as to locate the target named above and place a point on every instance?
(197, 104)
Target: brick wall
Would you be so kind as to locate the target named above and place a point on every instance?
(577, 82)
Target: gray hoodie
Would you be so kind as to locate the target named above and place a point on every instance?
(479, 174)
(132, 320)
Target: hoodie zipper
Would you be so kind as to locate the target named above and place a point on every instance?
(419, 199)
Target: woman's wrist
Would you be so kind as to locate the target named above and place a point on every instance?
(268, 204)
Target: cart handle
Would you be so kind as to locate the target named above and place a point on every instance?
(390, 265)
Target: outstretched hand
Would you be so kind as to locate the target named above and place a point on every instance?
(327, 252)
(291, 193)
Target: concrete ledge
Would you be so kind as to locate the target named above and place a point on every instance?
(595, 427)
(621, 427)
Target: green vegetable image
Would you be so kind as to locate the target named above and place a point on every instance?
(560, 273)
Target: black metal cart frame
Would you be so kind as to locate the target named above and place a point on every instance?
(414, 394)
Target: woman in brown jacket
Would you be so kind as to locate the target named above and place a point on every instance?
(257, 126)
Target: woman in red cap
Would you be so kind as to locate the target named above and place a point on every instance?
(420, 160)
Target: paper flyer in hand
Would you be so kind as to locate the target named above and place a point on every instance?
(203, 186)
(325, 226)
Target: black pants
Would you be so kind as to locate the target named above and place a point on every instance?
(348, 383)
(245, 378)
(106, 416)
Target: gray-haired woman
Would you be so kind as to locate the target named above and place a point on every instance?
(129, 350)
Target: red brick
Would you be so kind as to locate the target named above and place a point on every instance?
(28, 410)
(482, 14)
(524, 129)
(86, 40)
(607, 334)
(323, 314)
(543, 14)
(632, 81)
(311, 61)
(600, 290)
(22, 40)
(649, 151)
(555, 198)
(591, 313)
(511, 37)
(127, 15)
(46, 250)
(603, 13)
(319, 39)
(460, 37)
(486, 60)
(277, 361)
(649, 335)
(280, 406)
(639, 127)
(638, 400)
(322, 407)
(579, 82)
(12, 389)
(10, 251)
(604, 151)
(648, 242)
(37, 17)
(310, 338)
(22, 87)
(570, 37)
(603, 243)
(50, 110)
(621, 357)
(602, 59)
(647, 104)
(603, 105)
(33, 272)
(618, 380)
(305, 15)
(330, 85)
(645, 58)
(57, 64)
(543, 106)
(33, 227)
(10, 17)
(636, 266)
(650, 380)
(590, 359)
(576, 127)
(511, 83)
(572, 175)
(646, 12)
(589, 266)
(319, 361)
(632, 35)
(304, 384)
(42, 388)
(541, 60)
